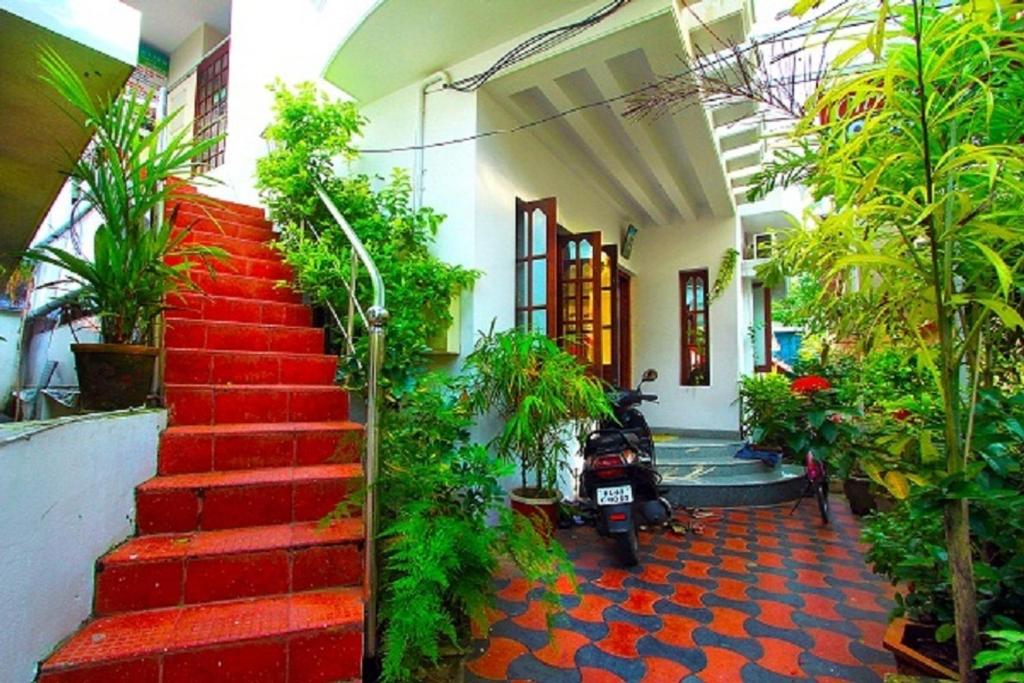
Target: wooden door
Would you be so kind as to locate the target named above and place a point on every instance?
(625, 294)
(610, 316)
(579, 297)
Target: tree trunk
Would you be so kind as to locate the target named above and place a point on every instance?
(961, 572)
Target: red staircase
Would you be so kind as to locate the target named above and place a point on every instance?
(231, 577)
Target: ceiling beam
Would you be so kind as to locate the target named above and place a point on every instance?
(613, 78)
(601, 126)
(562, 140)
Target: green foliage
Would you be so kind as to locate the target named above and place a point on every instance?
(308, 132)
(124, 176)
(1005, 656)
(440, 494)
(800, 306)
(918, 151)
(908, 544)
(770, 409)
(540, 392)
(726, 271)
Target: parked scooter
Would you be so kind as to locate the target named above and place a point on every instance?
(619, 474)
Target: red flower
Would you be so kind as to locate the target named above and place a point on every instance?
(809, 384)
(901, 414)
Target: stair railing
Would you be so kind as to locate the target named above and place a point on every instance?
(376, 319)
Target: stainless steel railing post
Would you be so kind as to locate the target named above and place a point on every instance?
(376, 319)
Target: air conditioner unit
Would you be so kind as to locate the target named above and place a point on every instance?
(763, 243)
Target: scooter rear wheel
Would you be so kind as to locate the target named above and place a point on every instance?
(629, 547)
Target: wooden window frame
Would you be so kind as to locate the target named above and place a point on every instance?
(524, 212)
(211, 118)
(766, 338)
(685, 368)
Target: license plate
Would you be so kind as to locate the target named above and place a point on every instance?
(615, 495)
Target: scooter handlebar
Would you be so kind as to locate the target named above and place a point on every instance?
(648, 397)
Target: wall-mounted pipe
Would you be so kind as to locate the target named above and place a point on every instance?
(419, 168)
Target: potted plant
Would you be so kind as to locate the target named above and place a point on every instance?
(541, 393)
(127, 177)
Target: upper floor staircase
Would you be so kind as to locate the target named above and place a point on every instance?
(231, 575)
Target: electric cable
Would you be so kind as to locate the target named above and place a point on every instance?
(724, 56)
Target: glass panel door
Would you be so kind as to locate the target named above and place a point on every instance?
(611, 361)
(579, 287)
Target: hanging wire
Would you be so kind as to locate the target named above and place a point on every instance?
(535, 45)
(722, 58)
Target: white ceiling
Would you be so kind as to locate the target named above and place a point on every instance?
(166, 23)
(658, 170)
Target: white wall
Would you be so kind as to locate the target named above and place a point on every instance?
(661, 253)
(518, 165)
(10, 338)
(290, 40)
(67, 492)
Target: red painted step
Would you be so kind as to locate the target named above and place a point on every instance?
(235, 336)
(231, 576)
(165, 570)
(240, 498)
(200, 306)
(196, 404)
(234, 207)
(312, 637)
(205, 366)
(220, 447)
(260, 288)
(233, 245)
(273, 269)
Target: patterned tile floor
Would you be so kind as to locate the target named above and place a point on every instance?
(758, 597)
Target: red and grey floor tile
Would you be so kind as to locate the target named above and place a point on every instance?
(760, 596)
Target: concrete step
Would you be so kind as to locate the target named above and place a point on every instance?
(773, 486)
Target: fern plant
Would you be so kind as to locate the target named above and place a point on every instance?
(445, 527)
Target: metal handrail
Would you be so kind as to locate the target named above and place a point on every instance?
(377, 319)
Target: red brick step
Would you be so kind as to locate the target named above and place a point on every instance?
(240, 498)
(179, 569)
(204, 366)
(273, 269)
(199, 306)
(196, 404)
(312, 637)
(206, 448)
(183, 333)
(228, 284)
(233, 245)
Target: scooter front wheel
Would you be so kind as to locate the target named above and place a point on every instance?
(629, 546)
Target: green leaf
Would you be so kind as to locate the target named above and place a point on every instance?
(1003, 271)
(945, 632)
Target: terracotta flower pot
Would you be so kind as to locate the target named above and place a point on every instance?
(114, 376)
(910, 661)
(542, 511)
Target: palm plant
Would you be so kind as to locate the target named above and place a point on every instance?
(126, 176)
(540, 392)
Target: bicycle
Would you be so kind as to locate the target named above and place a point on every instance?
(816, 472)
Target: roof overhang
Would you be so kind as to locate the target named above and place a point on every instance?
(399, 42)
(100, 39)
(658, 170)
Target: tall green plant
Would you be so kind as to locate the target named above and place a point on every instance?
(309, 132)
(920, 156)
(125, 176)
(445, 528)
(541, 393)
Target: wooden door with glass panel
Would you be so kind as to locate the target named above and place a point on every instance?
(579, 297)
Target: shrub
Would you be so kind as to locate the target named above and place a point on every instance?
(445, 526)
(769, 409)
(309, 132)
(540, 392)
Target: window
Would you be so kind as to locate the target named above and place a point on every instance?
(212, 106)
(535, 266)
(695, 367)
